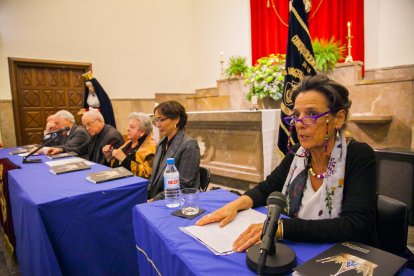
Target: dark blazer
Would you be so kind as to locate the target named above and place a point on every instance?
(186, 153)
(357, 220)
(108, 135)
(77, 140)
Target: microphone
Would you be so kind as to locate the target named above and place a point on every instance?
(47, 139)
(276, 202)
(53, 134)
(263, 257)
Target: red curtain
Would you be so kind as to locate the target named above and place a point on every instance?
(327, 18)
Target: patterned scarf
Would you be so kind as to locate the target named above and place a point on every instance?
(331, 199)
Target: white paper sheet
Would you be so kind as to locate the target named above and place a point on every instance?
(68, 161)
(220, 239)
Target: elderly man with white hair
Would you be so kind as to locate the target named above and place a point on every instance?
(74, 140)
(101, 135)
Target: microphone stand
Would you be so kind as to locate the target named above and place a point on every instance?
(26, 160)
(280, 259)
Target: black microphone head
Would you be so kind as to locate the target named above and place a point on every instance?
(66, 128)
(277, 198)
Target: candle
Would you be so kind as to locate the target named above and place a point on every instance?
(349, 28)
(221, 56)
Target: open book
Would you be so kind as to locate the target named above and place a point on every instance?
(354, 259)
(23, 149)
(18, 151)
(108, 175)
(62, 155)
(69, 167)
(220, 239)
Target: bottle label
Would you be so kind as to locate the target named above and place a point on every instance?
(172, 181)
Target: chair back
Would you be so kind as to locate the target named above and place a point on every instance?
(392, 225)
(204, 178)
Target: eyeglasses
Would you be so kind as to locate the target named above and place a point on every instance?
(158, 120)
(307, 120)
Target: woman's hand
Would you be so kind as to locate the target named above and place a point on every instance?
(224, 215)
(227, 213)
(107, 151)
(119, 155)
(248, 238)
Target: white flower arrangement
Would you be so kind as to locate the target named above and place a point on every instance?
(266, 77)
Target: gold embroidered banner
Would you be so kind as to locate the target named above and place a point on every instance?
(300, 62)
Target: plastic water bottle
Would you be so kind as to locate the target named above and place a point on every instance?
(172, 189)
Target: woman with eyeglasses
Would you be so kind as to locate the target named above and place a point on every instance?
(170, 118)
(137, 154)
(329, 180)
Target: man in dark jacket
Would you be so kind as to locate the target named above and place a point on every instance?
(74, 140)
(101, 135)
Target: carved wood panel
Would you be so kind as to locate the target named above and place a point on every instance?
(41, 88)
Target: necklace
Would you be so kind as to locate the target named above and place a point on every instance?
(318, 176)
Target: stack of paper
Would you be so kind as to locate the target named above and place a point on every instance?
(220, 239)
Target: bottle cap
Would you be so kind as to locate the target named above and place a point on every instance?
(170, 161)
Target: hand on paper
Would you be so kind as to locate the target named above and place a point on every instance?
(224, 215)
(248, 238)
(227, 213)
(52, 151)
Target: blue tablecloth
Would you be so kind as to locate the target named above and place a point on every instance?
(163, 248)
(65, 224)
(175, 253)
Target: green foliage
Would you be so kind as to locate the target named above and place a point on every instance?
(266, 77)
(327, 54)
(237, 66)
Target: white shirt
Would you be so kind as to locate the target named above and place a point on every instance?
(310, 206)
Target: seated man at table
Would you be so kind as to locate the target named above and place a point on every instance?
(74, 140)
(50, 126)
(102, 135)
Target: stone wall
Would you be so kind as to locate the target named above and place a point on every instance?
(8, 136)
(382, 104)
(239, 147)
(122, 108)
(381, 114)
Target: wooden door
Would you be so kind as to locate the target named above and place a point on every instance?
(41, 88)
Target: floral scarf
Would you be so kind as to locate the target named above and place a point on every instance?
(333, 183)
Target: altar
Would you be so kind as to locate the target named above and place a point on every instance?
(238, 146)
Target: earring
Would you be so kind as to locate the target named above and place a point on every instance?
(337, 132)
(326, 137)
